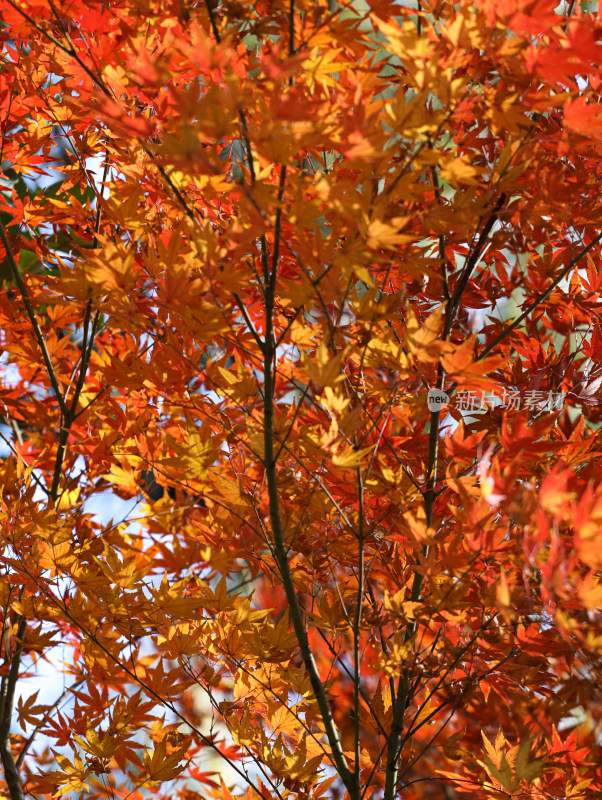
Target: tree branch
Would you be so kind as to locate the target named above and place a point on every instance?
(281, 552)
(403, 693)
(357, 623)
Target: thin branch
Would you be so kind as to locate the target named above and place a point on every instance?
(454, 698)
(281, 554)
(282, 442)
(349, 673)
(34, 321)
(357, 623)
(280, 548)
(214, 28)
(282, 336)
(471, 263)
(7, 696)
(539, 299)
(248, 321)
(278, 225)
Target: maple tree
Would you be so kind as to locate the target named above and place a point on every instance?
(246, 248)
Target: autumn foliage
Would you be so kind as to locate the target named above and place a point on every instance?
(243, 242)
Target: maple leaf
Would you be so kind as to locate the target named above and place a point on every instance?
(510, 766)
(583, 117)
(281, 719)
(325, 369)
(422, 340)
(350, 458)
(299, 767)
(98, 745)
(161, 766)
(387, 234)
(458, 172)
(30, 713)
(72, 776)
(462, 367)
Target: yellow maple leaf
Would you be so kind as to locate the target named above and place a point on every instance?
(421, 338)
(163, 767)
(350, 457)
(324, 369)
(510, 766)
(125, 478)
(100, 746)
(68, 498)
(193, 456)
(298, 766)
(72, 776)
(282, 719)
(388, 234)
(459, 172)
